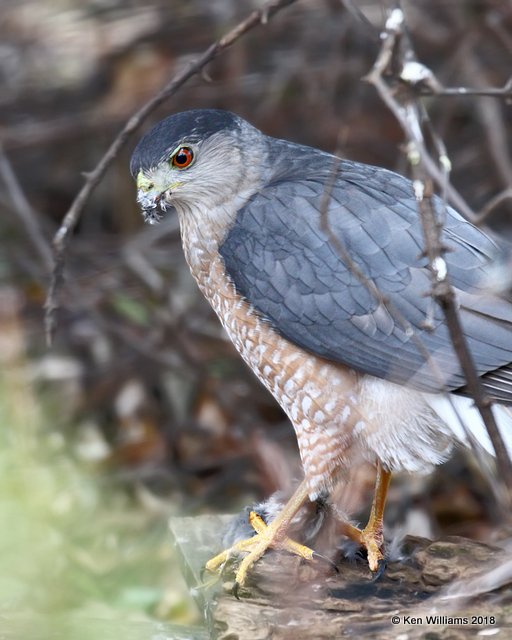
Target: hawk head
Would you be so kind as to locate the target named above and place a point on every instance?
(197, 158)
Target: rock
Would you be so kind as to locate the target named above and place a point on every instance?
(285, 598)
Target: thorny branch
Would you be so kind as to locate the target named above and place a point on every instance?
(395, 53)
(94, 177)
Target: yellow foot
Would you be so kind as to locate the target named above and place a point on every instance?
(267, 536)
(271, 536)
(371, 539)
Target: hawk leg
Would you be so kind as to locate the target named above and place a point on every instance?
(372, 537)
(268, 536)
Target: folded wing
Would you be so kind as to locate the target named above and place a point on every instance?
(287, 255)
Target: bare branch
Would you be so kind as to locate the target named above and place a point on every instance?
(376, 77)
(457, 92)
(260, 16)
(355, 11)
(392, 55)
(25, 212)
(443, 293)
(399, 318)
(493, 122)
(504, 195)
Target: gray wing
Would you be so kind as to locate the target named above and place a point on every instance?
(290, 268)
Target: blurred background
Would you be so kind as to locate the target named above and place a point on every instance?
(141, 409)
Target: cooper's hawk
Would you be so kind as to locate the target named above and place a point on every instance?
(282, 239)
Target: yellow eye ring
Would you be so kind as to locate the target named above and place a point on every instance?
(182, 158)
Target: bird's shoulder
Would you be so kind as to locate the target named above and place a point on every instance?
(311, 247)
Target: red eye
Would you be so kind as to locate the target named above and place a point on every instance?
(182, 158)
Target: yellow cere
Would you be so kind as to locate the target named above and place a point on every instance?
(143, 182)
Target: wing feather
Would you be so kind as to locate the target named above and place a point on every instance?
(287, 264)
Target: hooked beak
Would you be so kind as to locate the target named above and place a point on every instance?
(152, 200)
(152, 205)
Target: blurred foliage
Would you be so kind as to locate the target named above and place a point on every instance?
(72, 539)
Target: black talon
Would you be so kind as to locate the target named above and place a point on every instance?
(236, 588)
(381, 568)
(318, 556)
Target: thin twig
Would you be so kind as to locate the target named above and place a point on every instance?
(407, 113)
(443, 293)
(400, 319)
(376, 78)
(458, 92)
(60, 240)
(371, 31)
(494, 202)
(25, 212)
(491, 115)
